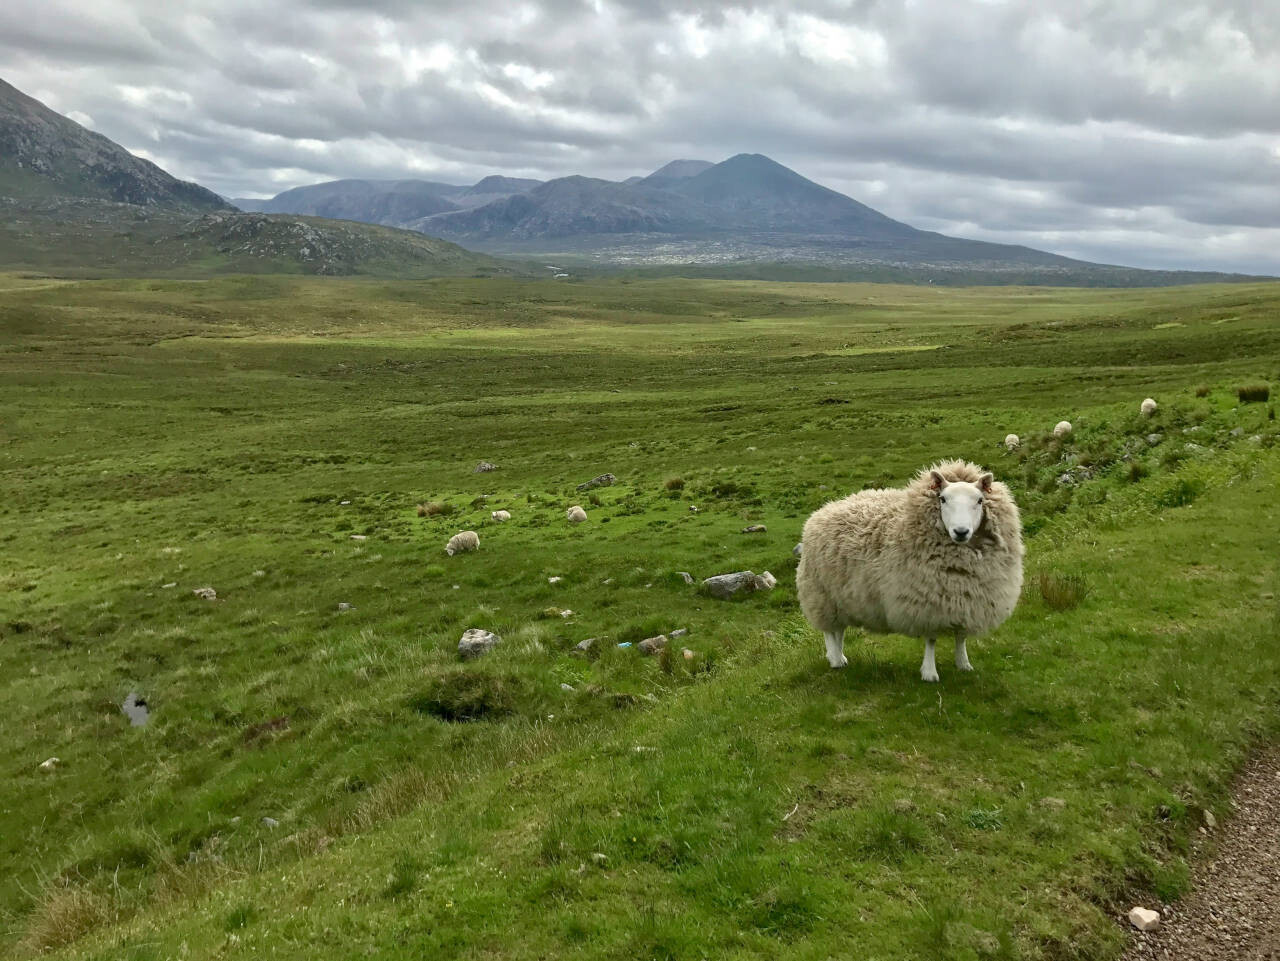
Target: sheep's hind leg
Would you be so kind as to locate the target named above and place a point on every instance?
(835, 648)
(929, 668)
(962, 656)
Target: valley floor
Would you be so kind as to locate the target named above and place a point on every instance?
(320, 776)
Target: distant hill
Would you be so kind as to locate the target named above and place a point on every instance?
(668, 174)
(45, 156)
(394, 203)
(750, 216)
(74, 201)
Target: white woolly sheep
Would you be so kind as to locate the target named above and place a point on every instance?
(1148, 407)
(575, 514)
(500, 515)
(461, 542)
(1062, 428)
(942, 555)
(1012, 442)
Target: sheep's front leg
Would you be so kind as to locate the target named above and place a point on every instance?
(962, 656)
(929, 669)
(835, 648)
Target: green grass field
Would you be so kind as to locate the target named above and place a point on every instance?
(271, 437)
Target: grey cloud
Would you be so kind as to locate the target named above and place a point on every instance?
(1144, 132)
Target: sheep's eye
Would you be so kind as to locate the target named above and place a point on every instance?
(979, 500)
(942, 499)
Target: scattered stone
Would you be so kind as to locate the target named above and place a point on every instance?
(652, 645)
(724, 586)
(798, 549)
(678, 632)
(1255, 439)
(484, 467)
(1197, 429)
(359, 537)
(207, 593)
(1194, 448)
(694, 508)
(136, 710)
(1154, 439)
(270, 823)
(1237, 432)
(344, 606)
(475, 642)
(599, 858)
(1144, 919)
(554, 580)
(583, 646)
(567, 687)
(607, 580)
(688, 578)
(236, 819)
(566, 613)
(51, 764)
(165, 587)
(904, 804)
(755, 529)
(1210, 821)
(1056, 803)
(603, 480)
(343, 503)
(259, 573)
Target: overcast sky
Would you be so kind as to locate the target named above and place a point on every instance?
(1144, 132)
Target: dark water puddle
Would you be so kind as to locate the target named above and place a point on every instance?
(136, 709)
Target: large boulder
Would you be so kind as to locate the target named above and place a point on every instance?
(725, 586)
(603, 480)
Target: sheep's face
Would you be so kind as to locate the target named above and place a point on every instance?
(961, 506)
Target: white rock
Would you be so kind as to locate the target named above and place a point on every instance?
(678, 632)
(208, 593)
(359, 537)
(259, 573)
(1210, 821)
(51, 764)
(344, 606)
(165, 587)
(554, 580)
(566, 613)
(599, 857)
(475, 642)
(566, 687)
(1144, 919)
(688, 578)
(766, 582)
(270, 822)
(652, 645)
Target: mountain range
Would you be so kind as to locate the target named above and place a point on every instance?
(71, 198)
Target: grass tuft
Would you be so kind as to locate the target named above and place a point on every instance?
(1254, 393)
(1062, 591)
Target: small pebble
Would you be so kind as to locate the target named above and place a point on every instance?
(270, 822)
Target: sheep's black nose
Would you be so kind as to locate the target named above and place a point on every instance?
(961, 533)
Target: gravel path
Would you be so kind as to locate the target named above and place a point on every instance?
(1233, 910)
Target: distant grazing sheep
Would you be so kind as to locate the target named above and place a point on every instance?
(576, 514)
(1062, 428)
(1148, 407)
(1012, 442)
(501, 515)
(461, 542)
(942, 555)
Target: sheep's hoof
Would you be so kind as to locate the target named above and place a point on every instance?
(930, 677)
(966, 666)
(843, 662)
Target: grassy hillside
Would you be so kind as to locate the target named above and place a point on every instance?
(96, 239)
(271, 437)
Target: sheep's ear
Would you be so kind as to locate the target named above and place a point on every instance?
(938, 480)
(985, 482)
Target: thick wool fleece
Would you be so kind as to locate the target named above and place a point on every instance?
(879, 559)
